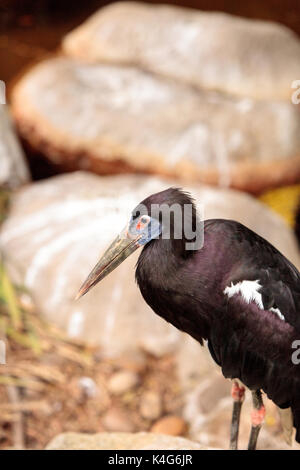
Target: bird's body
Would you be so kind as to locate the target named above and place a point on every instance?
(237, 292)
(251, 343)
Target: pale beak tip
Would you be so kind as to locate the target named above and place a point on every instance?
(80, 293)
(77, 296)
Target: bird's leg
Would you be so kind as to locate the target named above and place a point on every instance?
(238, 395)
(257, 418)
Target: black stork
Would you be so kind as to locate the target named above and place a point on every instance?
(236, 291)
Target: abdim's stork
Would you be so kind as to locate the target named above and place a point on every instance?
(236, 291)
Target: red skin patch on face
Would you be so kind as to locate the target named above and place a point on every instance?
(140, 225)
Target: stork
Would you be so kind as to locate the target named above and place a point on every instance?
(234, 290)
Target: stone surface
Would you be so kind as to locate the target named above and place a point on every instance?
(121, 441)
(122, 381)
(13, 169)
(137, 122)
(189, 45)
(58, 228)
(171, 425)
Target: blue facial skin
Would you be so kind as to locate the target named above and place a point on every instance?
(149, 232)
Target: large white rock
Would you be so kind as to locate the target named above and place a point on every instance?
(57, 230)
(117, 119)
(13, 169)
(210, 50)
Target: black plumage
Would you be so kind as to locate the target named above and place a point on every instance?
(187, 289)
(237, 292)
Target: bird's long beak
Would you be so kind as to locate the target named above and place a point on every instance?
(116, 253)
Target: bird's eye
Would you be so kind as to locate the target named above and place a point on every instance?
(144, 220)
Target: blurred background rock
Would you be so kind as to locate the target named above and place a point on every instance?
(105, 363)
(30, 28)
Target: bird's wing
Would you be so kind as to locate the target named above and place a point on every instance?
(263, 275)
(255, 334)
(255, 330)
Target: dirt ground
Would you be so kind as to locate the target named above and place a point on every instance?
(52, 385)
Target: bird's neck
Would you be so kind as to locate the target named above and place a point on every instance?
(159, 261)
(169, 288)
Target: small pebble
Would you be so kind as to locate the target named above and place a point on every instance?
(123, 381)
(151, 405)
(88, 387)
(172, 425)
(116, 420)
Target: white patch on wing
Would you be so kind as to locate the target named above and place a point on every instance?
(249, 290)
(278, 313)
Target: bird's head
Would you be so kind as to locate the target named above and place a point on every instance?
(161, 215)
